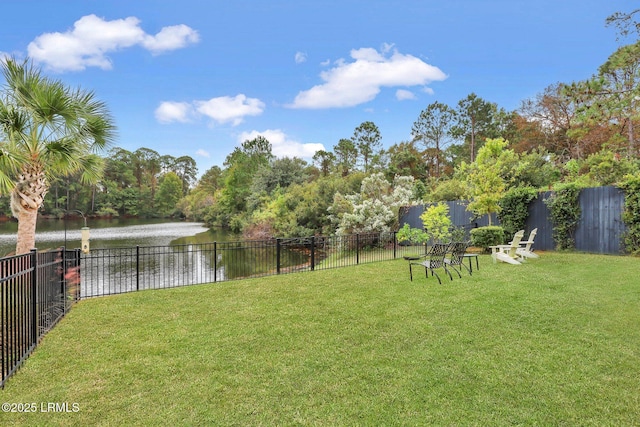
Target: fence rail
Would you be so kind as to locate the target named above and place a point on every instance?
(119, 270)
(37, 289)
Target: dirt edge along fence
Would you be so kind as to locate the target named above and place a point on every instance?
(37, 290)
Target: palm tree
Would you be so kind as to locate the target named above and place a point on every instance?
(47, 130)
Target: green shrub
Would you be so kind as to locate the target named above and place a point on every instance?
(107, 211)
(631, 214)
(437, 223)
(483, 237)
(565, 215)
(515, 209)
(411, 235)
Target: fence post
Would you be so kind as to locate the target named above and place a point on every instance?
(358, 248)
(215, 262)
(394, 244)
(278, 256)
(313, 255)
(78, 264)
(137, 267)
(34, 295)
(63, 279)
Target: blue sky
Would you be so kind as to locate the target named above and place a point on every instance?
(198, 77)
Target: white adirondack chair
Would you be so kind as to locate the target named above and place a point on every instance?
(525, 246)
(508, 253)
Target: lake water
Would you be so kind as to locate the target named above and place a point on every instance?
(115, 265)
(112, 233)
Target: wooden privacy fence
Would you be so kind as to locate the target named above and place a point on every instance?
(600, 229)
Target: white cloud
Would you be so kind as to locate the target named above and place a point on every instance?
(403, 94)
(224, 109)
(428, 90)
(202, 153)
(92, 38)
(352, 83)
(300, 57)
(281, 145)
(168, 112)
(170, 38)
(230, 110)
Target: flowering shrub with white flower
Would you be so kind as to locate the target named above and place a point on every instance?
(375, 208)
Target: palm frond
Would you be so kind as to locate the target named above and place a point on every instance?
(9, 165)
(92, 169)
(12, 122)
(62, 156)
(97, 128)
(45, 124)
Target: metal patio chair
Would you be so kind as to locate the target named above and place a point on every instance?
(435, 259)
(457, 250)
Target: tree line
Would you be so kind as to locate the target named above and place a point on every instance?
(581, 132)
(139, 183)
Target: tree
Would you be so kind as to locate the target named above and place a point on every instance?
(620, 83)
(168, 194)
(405, 159)
(437, 223)
(186, 169)
(375, 208)
(147, 167)
(346, 155)
(324, 161)
(608, 104)
(475, 118)
(485, 183)
(367, 137)
(211, 180)
(546, 120)
(624, 22)
(241, 165)
(195, 204)
(47, 130)
(433, 128)
(278, 175)
(281, 173)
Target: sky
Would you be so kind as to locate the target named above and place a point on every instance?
(199, 77)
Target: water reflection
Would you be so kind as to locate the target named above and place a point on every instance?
(128, 255)
(104, 233)
(117, 270)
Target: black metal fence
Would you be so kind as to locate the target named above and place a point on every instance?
(119, 270)
(37, 289)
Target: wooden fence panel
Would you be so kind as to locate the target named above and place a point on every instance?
(540, 218)
(600, 229)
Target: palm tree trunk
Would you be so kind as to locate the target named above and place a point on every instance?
(26, 199)
(26, 230)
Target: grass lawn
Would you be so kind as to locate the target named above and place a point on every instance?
(552, 342)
